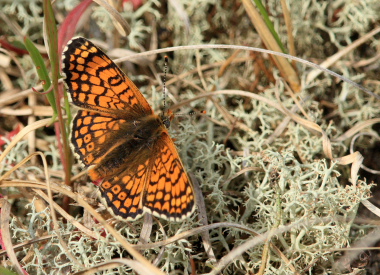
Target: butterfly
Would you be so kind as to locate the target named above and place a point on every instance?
(121, 141)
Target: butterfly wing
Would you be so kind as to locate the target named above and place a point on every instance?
(109, 101)
(122, 193)
(96, 83)
(93, 135)
(169, 191)
(159, 186)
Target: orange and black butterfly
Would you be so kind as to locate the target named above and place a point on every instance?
(117, 136)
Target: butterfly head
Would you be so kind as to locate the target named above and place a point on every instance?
(166, 117)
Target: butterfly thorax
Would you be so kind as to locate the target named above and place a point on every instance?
(151, 127)
(131, 144)
(148, 129)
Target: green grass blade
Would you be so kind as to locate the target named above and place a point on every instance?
(269, 24)
(42, 72)
(5, 271)
(52, 38)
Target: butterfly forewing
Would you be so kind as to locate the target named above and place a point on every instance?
(95, 82)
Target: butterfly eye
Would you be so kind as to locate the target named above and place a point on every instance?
(165, 121)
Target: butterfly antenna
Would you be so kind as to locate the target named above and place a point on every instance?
(191, 113)
(164, 81)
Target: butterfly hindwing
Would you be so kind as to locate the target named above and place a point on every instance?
(169, 191)
(92, 135)
(122, 193)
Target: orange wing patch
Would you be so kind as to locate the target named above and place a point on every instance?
(122, 193)
(169, 192)
(96, 83)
